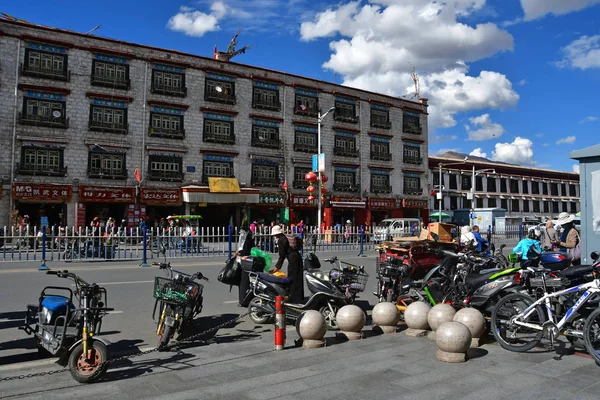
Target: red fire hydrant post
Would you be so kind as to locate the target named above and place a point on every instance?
(279, 323)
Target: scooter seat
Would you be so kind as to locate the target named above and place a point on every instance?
(478, 279)
(56, 303)
(273, 279)
(576, 271)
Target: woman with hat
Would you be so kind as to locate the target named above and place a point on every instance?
(569, 238)
(294, 264)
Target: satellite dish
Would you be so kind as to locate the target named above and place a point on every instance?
(219, 89)
(302, 107)
(56, 114)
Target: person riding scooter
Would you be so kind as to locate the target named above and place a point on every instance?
(529, 244)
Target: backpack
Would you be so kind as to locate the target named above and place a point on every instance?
(231, 274)
(295, 241)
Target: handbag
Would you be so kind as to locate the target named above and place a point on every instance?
(231, 274)
(576, 251)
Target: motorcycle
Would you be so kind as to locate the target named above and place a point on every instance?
(350, 279)
(179, 299)
(71, 330)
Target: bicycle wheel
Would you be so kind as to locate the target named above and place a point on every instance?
(513, 337)
(591, 335)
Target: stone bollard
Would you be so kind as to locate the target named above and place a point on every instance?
(385, 317)
(351, 319)
(311, 328)
(439, 314)
(415, 317)
(472, 319)
(453, 340)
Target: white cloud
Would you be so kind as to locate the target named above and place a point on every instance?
(376, 46)
(520, 151)
(576, 168)
(486, 129)
(582, 53)
(442, 151)
(588, 119)
(523, 82)
(539, 135)
(535, 9)
(196, 23)
(442, 138)
(567, 140)
(478, 152)
(546, 144)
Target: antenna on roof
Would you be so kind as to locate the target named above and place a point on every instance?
(231, 51)
(93, 30)
(415, 78)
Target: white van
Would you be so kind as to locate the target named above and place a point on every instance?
(391, 228)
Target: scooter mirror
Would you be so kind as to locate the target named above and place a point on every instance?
(595, 255)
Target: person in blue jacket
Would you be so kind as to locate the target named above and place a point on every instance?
(524, 245)
(480, 241)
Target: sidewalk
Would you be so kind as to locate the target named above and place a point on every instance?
(377, 367)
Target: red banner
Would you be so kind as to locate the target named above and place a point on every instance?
(106, 194)
(160, 196)
(299, 201)
(42, 192)
(381, 204)
(408, 203)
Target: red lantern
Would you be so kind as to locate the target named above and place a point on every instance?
(311, 177)
(322, 199)
(323, 190)
(324, 178)
(310, 198)
(311, 189)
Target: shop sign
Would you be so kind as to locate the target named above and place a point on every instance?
(347, 199)
(160, 196)
(408, 203)
(102, 194)
(381, 204)
(42, 192)
(299, 200)
(277, 199)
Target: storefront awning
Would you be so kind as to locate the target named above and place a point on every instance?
(348, 204)
(220, 198)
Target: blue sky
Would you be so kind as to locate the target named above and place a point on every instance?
(513, 80)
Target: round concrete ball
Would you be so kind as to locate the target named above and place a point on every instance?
(472, 319)
(311, 325)
(385, 314)
(453, 337)
(415, 315)
(351, 318)
(439, 314)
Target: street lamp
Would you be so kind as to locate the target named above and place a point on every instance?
(441, 197)
(475, 173)
(320, 118)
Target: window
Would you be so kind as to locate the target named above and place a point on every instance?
(503, 188)
(546, 207)
(110, 75)
(345, 110)
(266, 99)
(265, 136)
(526, 206)
(412, 154)
(44, 113)
(216, 169)
(380, 183)
(515, 205)
(166, 125)
(168, 83)
(525, 187)
(380, 151)
(554, 189)
(514, 186)
(535, 188)
(467, 203)
(345, 146)
(380, 117)
(345, 181)
(555, 207)
(108, 119)
(491, 185)
(216, 131)
(572, 191)
(411, 123)
(219, 91)
(453, 203)
(305, 141)
(412, 185)
(46, 65)
(165, 168)
(479, 183)
(565, 206)
(306, 105)
(504, 204)
(265, 175)
(106, 165)
(452, 181)
(479, 203)
(573, 207)
(436, 178)
(563, 189)
(545, 188)
(536, 206)
(465, 182)
(42, 161)
(299, 174)
(492, 203)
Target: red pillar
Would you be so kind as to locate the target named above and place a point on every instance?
(398, 213)
(363, 217)
(328, 217)
(425, 215)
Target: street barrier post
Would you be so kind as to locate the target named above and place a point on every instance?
(229, 235)
(362, 242)
(43, 267)
(279, 323)
(521, 232)
(145, 247)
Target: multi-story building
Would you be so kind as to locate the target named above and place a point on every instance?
(98, 127)
(522, 191)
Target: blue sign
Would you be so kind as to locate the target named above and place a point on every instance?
(315, 162)
(44, 222)
(190, 168)
(318, 162)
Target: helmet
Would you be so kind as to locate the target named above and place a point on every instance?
(348, 222)
(533, 234)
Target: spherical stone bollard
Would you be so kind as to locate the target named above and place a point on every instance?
(453, 340)
(311, 328)
(472, 319)
(385, 317)
(439, 314)
(351, 319)
(415, 317)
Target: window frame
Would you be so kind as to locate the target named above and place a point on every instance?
(352, 186)
(28, 71)
(311, 112)
(384, 116)
(414, 190)
(273, 142)
(512, 205)
(535, 188)
(229, 97)
(96, 80)
(409, 158)
(305, 148)
(452, 181)
(98, 173)
(205, 165)
(525, 187)
(349, 150)
(230, 140)
(380, 155)
(377, 187)
(414, 127)
(274, 105)
(514, 186)
(300, 171)
(168, 133)
(176, 176)
(124, 129)
(40, 120)
(349, 112)
(47, 169)
(165, 89)
(263, 181)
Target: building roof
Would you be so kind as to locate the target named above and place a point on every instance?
(588, 152)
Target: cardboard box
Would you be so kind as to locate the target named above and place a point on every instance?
(444, 231)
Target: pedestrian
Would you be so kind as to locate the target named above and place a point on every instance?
(569, 238)
(245, 245)
(294, 260)
(550, 236)
(253, 227)
(480, 241)
(467, 239)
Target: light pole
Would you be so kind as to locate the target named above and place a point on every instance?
(440, 165)
(475, 173)
(320, 194)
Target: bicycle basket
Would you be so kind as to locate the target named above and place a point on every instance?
(351, 279)
(175, 292)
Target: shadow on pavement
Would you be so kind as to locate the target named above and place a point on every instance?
(12, 319)
(477, 353)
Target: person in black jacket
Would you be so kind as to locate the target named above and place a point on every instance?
(294, 265)
(244, 250)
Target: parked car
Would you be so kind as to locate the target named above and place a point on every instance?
(391, 228)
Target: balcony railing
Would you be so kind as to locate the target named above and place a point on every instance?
(265, 182)
(101, 126)
(169, 90)
(267, 105)
(381, 189)
(413, 191)
(166, 133)
(212, 138)
(382, 125)
(345, 152)
(105, 81)
(351, 119)
(413, 160)
(40, 72)
(41, 170)
(271, 144)
(171, 176)
(307, 112)
(43, 120)
(300, 184)
(412, 128)
(99, 173)
(344, 187)
(220, 97)
(381, 156)
(305, 148)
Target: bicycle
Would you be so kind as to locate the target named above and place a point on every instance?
(529, 315)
